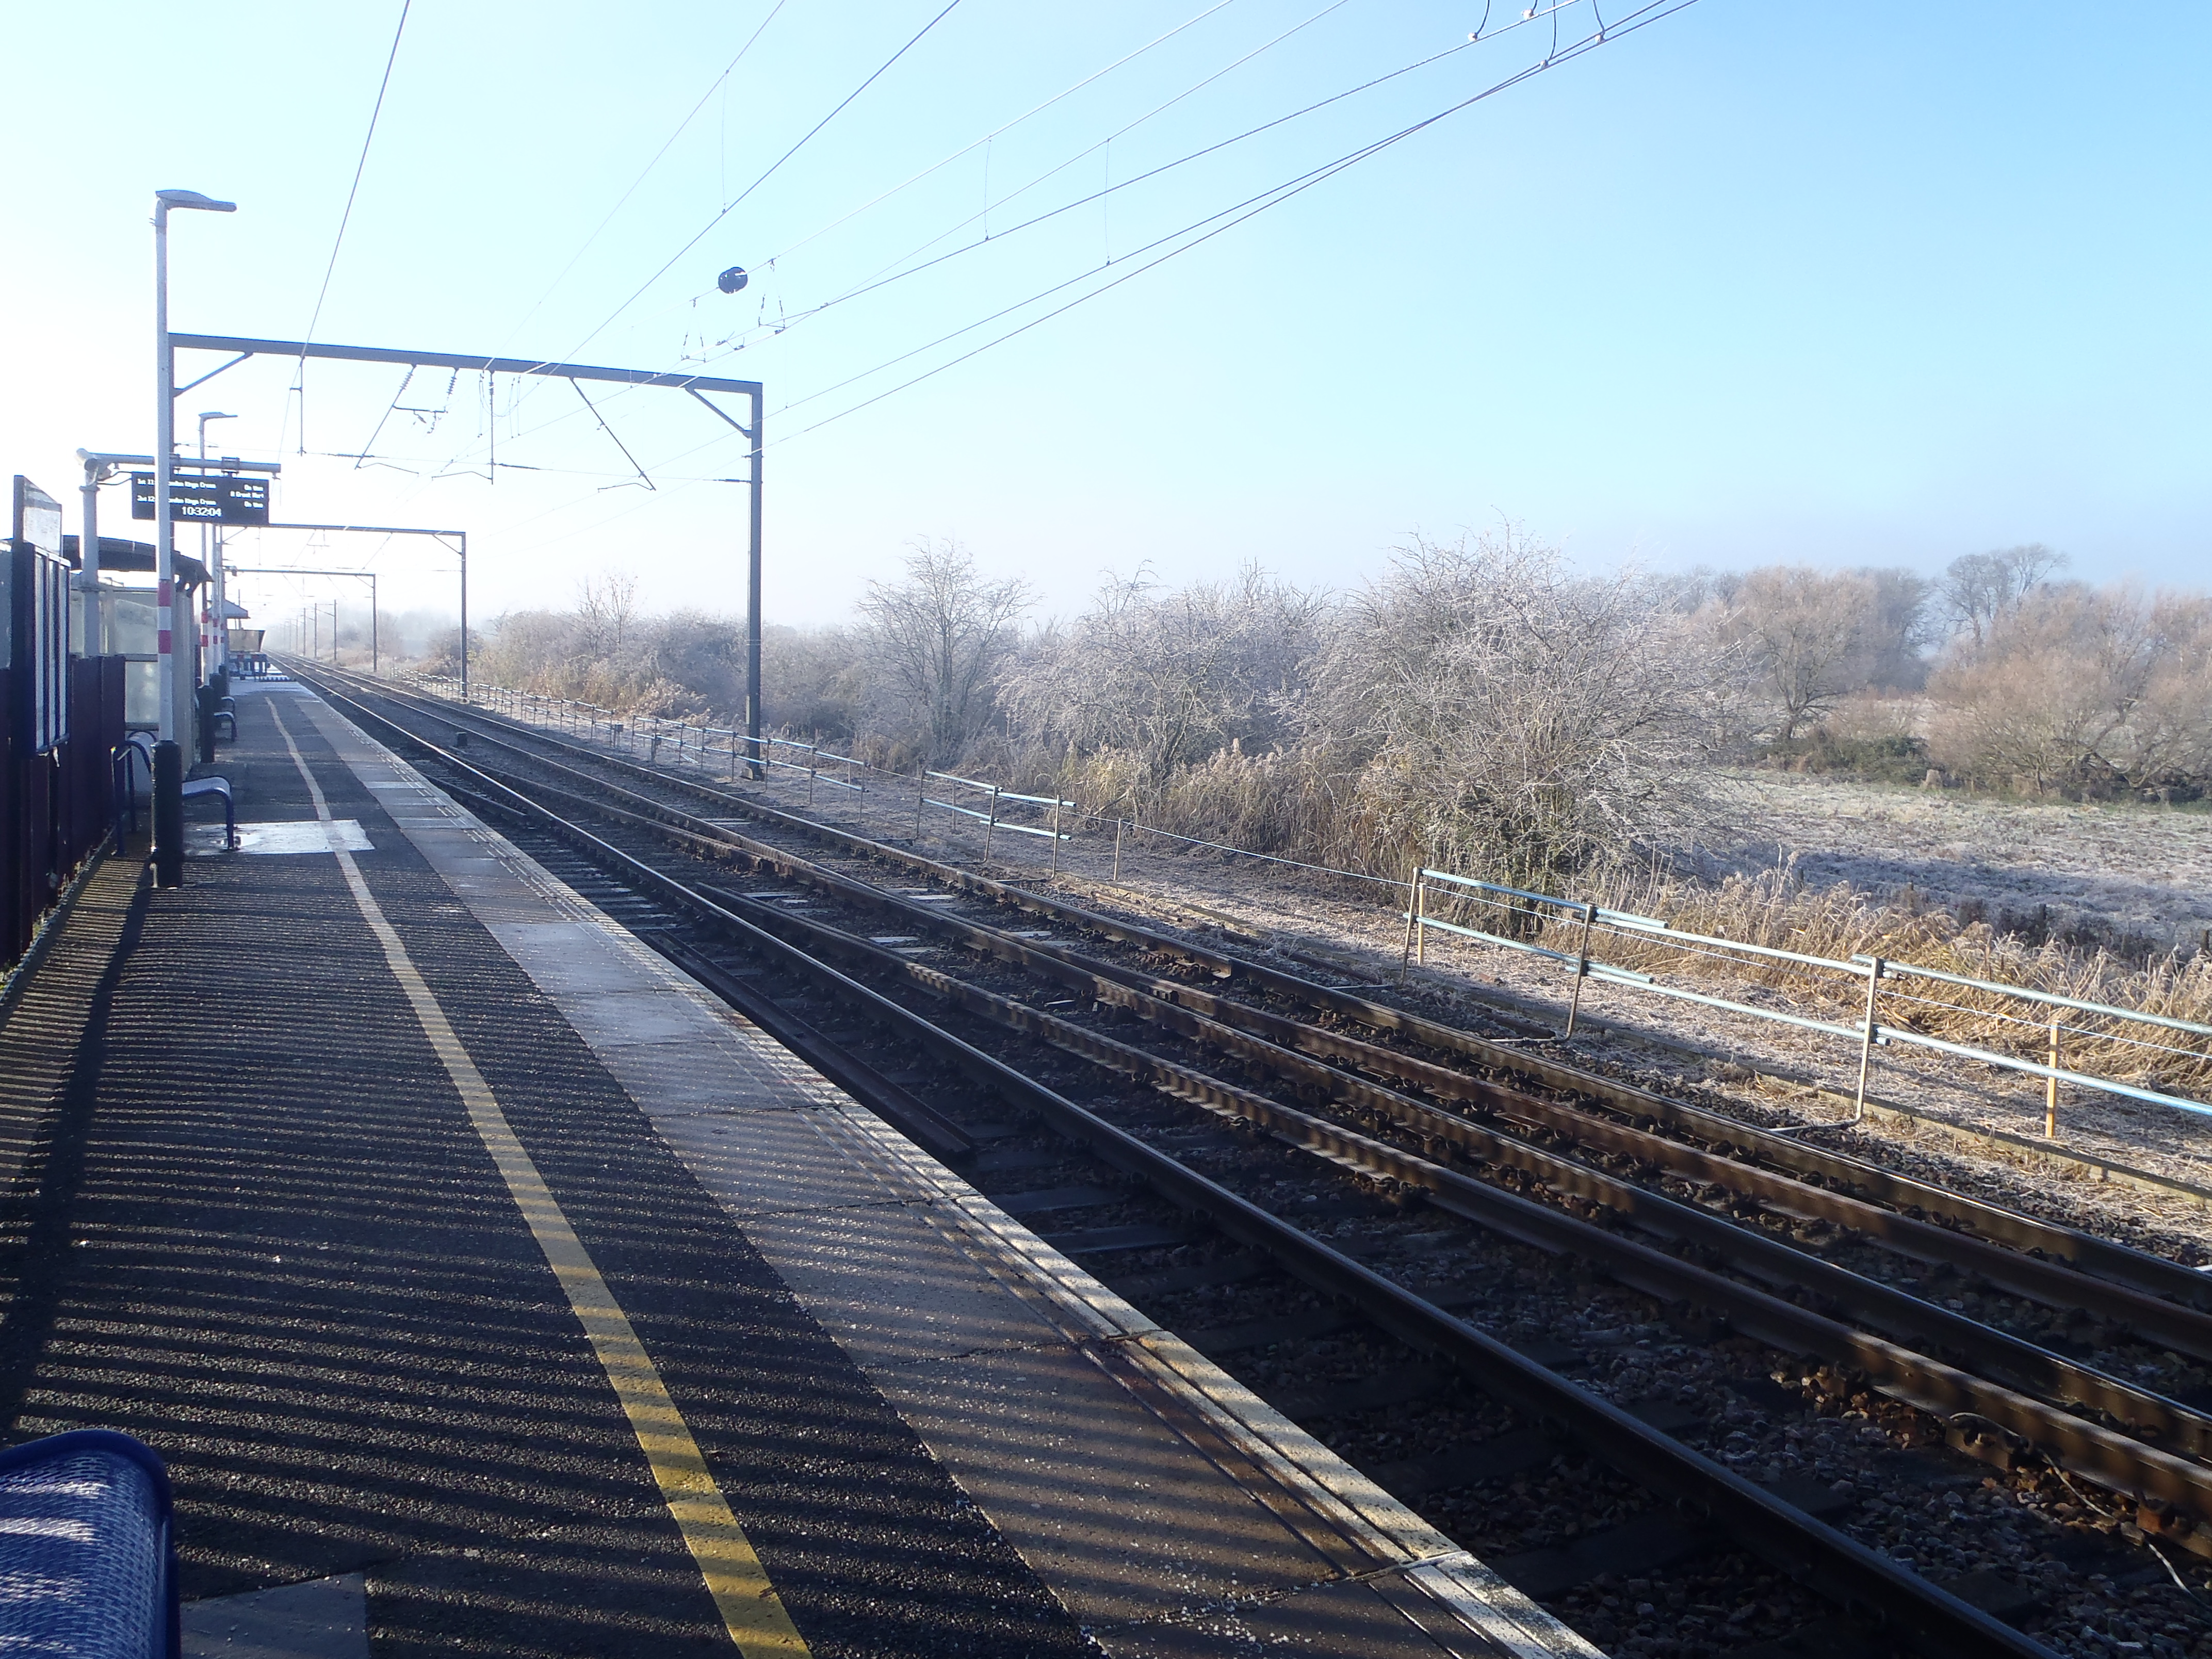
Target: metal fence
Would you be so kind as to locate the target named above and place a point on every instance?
(1885, 995)
(1894, 992)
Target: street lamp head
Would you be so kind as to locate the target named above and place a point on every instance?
(216, 415)
(193, 198)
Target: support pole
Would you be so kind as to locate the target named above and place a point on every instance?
(1413, 919)
(1866, 1043)
(219, 634)
(373, 658)
(920, 797)
(89, 559)
(168, 814)
(1581, 967)
(169, 779)
(1055, 835)
(1420, 919)
(753, 597)
(164, 443)
(464, 536)
(1117, 849)
(991, 822)
(2051, 1085)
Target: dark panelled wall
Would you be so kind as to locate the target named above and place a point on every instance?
(55, 808)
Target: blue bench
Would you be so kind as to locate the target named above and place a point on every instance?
(87, 1552)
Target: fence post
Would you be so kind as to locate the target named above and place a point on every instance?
(813, 765)
(920, 797)
(991, 822)
(1420, 918)
(1412, 902)
(1866, 1042)
(1117, 849)
(1055, 835)
(2051, 1085)
(1582, 966)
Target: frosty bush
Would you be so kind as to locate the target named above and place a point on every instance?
(1495, 711)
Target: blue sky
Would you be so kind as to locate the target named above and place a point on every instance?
(1760, 281)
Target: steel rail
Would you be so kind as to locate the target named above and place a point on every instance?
(2052, 1375)
(1904, 1199)
(2121, 1462)
(1927, 1618)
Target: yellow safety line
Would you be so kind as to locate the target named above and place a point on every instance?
(750, 1609)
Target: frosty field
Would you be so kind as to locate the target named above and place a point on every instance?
(2112, 869)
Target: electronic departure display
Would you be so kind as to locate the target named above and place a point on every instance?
(205, 498)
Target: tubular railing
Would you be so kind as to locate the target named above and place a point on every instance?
(1589, 921)
(997, 796)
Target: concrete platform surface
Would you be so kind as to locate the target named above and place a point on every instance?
(491, 1287)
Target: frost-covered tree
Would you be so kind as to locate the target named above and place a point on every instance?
(1170, 674)
(1492, 707)
(934, 640)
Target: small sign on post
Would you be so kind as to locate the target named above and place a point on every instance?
(205, 498)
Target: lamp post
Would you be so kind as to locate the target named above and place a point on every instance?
(97, 470)
(168, 760)
(211, 551)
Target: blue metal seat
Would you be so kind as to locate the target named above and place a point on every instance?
(140, 744)
(88, 1565)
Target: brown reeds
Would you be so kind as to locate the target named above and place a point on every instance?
(1774, 909)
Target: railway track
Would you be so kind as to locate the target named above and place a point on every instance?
(1474, 1197)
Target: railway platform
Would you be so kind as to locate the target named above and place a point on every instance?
(489, 1286)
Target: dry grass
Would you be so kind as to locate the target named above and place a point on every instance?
(1274, 803)
(1840, 922)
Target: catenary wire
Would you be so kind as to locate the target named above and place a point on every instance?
(1058, 97)
(1251, 208)
(599, 229)
(299, 383)
(1535, 14)
(999, 131)
(643, 476)
(883, 281)
(731, 206)
(1642, 17)
(727, 207)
